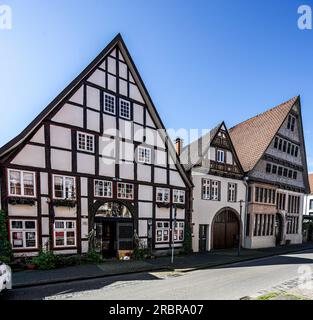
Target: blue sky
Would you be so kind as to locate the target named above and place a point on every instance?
(202, 61)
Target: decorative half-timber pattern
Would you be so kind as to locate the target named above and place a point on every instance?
(100, 141)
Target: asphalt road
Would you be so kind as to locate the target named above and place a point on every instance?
(231, 282)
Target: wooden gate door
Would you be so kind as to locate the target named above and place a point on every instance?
(225, 230)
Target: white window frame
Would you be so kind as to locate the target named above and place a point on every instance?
(165, 194)
(120, 109)
(22, 172)
(179, 226)
(214, 190)
(109, 185)
(125, 184)
(178, 193)
(220, 154)
(65, 230)
(162, 231)
(206, 186)
(64, 186)
(231, 192)
(23, 230)
(146, 158)
(104, 107)
(86, 136)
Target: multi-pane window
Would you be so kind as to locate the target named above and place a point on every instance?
(210, 189)
(103, 188)
(85, 142)
(292, 225)
(215, 186)
(281, 201)
(162, 231)
(281, 171)
(125, 190)
(109, 103)
(291, 122)
(125, 109)
(264, 195)
(293, 204)
(286, 146)
(179, 196)
(144, 155)
(264, 225)
(179, 231)
(21, 183)
(220, 156)
(23, 234)
(64, 187)
(311, 205)
(64, 234)
(206, 188)
(232, 192)
(162, 195)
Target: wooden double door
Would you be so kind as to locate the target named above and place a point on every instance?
(226, 230)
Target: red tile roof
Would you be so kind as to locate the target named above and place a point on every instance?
(252, 137)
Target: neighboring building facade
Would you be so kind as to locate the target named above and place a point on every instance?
(95, 165)
(308, 204)
(271, 150)
(219, 191)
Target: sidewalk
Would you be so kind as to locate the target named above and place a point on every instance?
(181, 263)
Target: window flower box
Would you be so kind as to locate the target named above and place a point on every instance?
(180, 205)
(163, 204)
(21, 201)
(64, 203)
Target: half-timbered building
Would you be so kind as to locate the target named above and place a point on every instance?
(219, 193)
(271, 150)
(95, 165)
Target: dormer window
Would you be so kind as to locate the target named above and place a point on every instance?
(291, 123)
(220, 156)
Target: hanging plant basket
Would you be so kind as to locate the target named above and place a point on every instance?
(64, 203)
(21, 201)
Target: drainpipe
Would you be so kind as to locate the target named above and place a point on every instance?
(245, 181)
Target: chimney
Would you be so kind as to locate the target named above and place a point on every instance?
(179, 145)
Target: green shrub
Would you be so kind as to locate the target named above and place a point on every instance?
(93, 257)
(5, 245)
(141, 253)
(67, 261)
(188, 239)
(46, 260)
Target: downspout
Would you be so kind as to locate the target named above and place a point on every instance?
(245, 181)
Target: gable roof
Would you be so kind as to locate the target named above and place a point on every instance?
(193, 153)
(252, 137)
(74, 85)
(311, 182)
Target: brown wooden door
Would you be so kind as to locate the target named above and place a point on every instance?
(225, 230)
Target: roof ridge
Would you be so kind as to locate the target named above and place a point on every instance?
(265, 112)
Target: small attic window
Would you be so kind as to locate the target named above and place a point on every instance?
(291, 123)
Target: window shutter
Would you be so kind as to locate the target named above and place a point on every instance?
(219, 190)
(235, 192)
(202, 189)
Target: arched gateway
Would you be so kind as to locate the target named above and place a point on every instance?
(225, 229)
(113, 223)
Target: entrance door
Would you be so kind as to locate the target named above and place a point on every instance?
(278, 229)
(105, 241)
(203, 229)
(225, 230)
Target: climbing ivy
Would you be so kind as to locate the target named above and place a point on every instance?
(5, 245)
